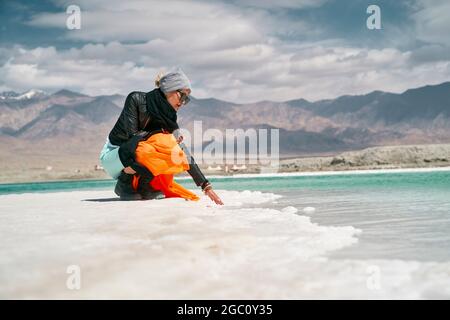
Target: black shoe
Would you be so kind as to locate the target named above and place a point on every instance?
(124, 188)
(153, 195)
(146, 190)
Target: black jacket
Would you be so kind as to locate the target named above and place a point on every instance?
(134, 118)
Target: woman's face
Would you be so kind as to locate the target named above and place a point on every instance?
(174, 98)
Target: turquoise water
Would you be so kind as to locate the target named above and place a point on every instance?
(402, 215)
(53, 186)
(439, 180)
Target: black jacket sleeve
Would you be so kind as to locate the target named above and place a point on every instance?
(127, 125)
(194, 171)
(131, 115)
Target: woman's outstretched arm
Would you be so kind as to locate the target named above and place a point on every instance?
(197, 175)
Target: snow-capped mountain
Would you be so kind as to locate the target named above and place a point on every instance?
(30, 94)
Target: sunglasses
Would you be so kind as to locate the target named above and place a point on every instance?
(184, 98)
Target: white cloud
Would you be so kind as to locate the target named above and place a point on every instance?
(433, 21)
(207, 24)
(250, 73)
(288, 4)
(229, 53)
(49, 69)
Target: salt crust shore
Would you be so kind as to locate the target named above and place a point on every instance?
(174, 249)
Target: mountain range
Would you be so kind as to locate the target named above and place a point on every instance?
(67, 119)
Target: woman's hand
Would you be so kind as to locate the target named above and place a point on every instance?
(129, 170)
(213, 196)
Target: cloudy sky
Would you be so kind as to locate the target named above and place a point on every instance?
(240, 51)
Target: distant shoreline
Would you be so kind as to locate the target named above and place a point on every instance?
(330, 173)
(410, 158)
(275, 174)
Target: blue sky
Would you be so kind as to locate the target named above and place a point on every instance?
(240, 51)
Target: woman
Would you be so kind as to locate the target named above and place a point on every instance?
(144, 114)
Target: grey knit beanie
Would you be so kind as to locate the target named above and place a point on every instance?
(174, 80)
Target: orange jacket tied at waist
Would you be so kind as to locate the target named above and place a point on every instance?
(162, 155)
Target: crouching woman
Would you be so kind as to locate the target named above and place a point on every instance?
(147, 115)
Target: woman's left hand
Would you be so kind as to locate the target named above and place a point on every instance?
(129, 170)
(213, 196)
